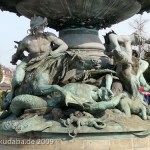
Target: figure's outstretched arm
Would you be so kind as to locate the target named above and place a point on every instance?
(114, 42)
(62, 46)
(144, 83)
(143, 65)
(109, 80)
(21, 48)
(103, 105)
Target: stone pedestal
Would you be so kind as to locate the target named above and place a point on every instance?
(56, 144)
(81, 38)
(84, 40)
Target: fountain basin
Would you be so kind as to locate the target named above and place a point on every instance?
(91, 14)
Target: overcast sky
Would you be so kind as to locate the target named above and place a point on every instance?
(14, 28)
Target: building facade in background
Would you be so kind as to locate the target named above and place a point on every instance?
(7, 75)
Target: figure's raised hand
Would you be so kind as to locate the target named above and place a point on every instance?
(13, 62)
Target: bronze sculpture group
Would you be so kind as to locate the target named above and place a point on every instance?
(51, 77)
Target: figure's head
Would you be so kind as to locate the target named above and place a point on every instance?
(38, 24)
(78, 114)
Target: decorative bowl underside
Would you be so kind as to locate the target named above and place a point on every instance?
(64, 14)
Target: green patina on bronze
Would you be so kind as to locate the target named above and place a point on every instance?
(10, 5)
(71, 17)
(61, 88)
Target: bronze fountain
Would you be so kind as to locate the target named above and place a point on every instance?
(72, 88)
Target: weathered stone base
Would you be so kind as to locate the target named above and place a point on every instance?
(121, 133)
(113, 144)
(114, 141)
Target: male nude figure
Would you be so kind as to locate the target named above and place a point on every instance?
(125, 42)
(38, 44)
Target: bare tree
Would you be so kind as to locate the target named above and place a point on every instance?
(139, 26)
(1, 74)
